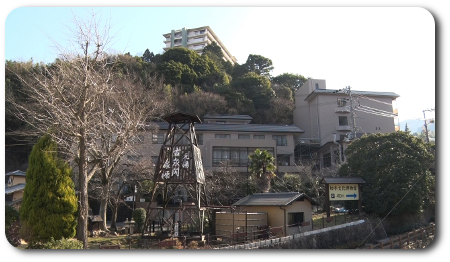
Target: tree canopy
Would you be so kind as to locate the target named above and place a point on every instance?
(396, 169)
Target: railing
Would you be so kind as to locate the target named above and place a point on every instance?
(411, 240)
(335, 220)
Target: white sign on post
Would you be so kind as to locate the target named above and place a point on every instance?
(343, 192)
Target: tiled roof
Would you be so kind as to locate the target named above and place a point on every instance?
(342, 180)
(272, 199)
(16, 188)
(238, 117)
(16, 173)
(242, 128)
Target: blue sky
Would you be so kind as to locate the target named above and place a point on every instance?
(369, 49)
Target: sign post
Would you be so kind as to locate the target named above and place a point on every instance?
(342, 189)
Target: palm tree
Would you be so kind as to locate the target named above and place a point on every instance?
(262, 166)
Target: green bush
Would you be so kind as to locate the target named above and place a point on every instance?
(49, 206)
(64, 243)
(139, 216)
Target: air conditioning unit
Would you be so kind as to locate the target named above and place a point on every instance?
(350, 136)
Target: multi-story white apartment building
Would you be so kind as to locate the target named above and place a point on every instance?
(229, 139)
(195, 39)
(331, 118)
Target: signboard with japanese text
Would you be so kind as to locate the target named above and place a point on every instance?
(343, 192)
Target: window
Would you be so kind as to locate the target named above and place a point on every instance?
(259, 137)
(154, 160)
(327, 160)
(243, 136)
(134, 158)
(281, 140)
(220, 122)
(137, 139)
(341, 102)
(202, 31)
(295, 219)
(223, 136)
(183, 141)
(317, 86)
(283, 160)
(158, 138)
(234, 156)
(200, 139)
(343, 121)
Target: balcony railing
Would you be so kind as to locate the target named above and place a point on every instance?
(343, 128)
(342, 109)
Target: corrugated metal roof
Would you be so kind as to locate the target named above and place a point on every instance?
(16, 188)
(342, 180)
(272, 199)
(365, 93)
(241, 128)
(16, 173)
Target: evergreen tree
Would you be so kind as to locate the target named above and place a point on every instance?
(148, 56)
(49, 207)
(396, 168)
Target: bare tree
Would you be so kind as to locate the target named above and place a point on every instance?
(201, 103)
(88, 110)
(225, 185)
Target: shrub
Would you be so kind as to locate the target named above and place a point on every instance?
(49, 203)
(64, 243)
(193, 245)
(139, 216)
(12, 225)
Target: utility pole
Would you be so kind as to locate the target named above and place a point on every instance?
(347, 90)
(352, 113)
(426, 124)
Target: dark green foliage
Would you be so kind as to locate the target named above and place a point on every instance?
(214, 48)
(148, 56)
(259, 65)
(49, 203)
(139, 215)
(12, 225)
(292, 81)
(11, 215)
(396, 169)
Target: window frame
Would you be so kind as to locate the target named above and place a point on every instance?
(280, 139)
(158, 138)
(295, 219)
(222, 136)
(341, 122)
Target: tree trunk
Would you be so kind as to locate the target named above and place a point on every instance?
(83, 185)
(104, 207)
(114, 217)
(104, 199)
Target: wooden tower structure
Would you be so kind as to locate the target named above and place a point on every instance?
(180, 169)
